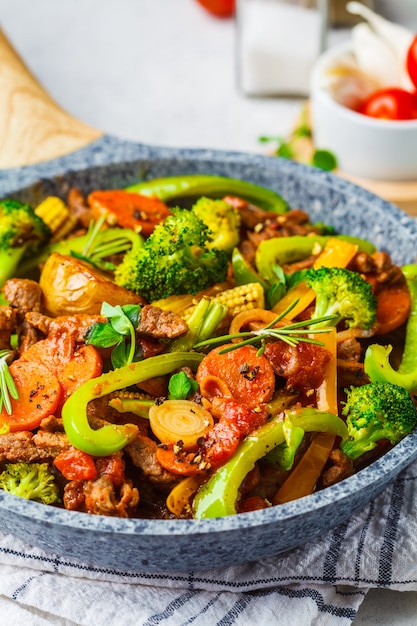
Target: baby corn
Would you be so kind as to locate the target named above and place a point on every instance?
(237, 299)
(55, 213)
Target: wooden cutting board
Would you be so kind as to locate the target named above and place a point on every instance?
(403, 194)
(33, 127)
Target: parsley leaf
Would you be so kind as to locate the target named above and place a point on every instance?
(118, 331)
(181, 386)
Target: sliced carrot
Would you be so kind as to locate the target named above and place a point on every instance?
(84, 364)
(249, 378)
(39, 395)
(129, 210)
(75, 464)
(177, 463)
(393, 308)
(72, 365)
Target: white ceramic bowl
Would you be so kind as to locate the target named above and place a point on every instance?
(365, 147)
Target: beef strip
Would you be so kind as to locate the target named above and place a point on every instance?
(339, 468)
(52, 443)
(25, 296)
(101, 497)
(143, 454)
(379, 264)
(32, 448)
(52, 424)
(20, 446)
(79, 207)
(74, 325)
(111, 493)
(159, 324)
(8, 323)
(303, 365)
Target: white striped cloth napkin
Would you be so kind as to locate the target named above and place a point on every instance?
(323, 583)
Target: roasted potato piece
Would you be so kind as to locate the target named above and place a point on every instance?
(73, 286)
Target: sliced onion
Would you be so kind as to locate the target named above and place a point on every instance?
(176, 421)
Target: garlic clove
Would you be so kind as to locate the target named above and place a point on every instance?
(395, 37)
(374, 56)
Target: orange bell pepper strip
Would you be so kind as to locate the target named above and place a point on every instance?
(326, 394)
(179, 497)
(303, 478)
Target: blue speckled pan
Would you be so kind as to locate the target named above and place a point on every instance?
(143, 545)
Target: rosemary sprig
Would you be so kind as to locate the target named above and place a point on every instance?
(7, 384)
(291, 334)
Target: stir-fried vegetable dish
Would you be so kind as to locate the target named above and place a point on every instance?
(193, 347)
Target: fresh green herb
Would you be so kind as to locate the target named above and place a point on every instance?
(298, 145)
(181, 386)
(291, 334)
(118, 331)
(7, 384)
(278, 287)
(98, 246)
(324, 159)
(283, 147)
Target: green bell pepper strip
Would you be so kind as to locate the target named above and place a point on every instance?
(172, 187)
(243, 272)
(111, 438)
(281, 250)
(218, 496)
(283, 456)
(376, 362)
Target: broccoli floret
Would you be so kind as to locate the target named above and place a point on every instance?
(223, 220)
(376, 411)
(342, 293)
(32, 481)
(22, 232)
(174, 260)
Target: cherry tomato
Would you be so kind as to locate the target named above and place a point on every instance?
(390, 104)
(220, 8)
(412, 61)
